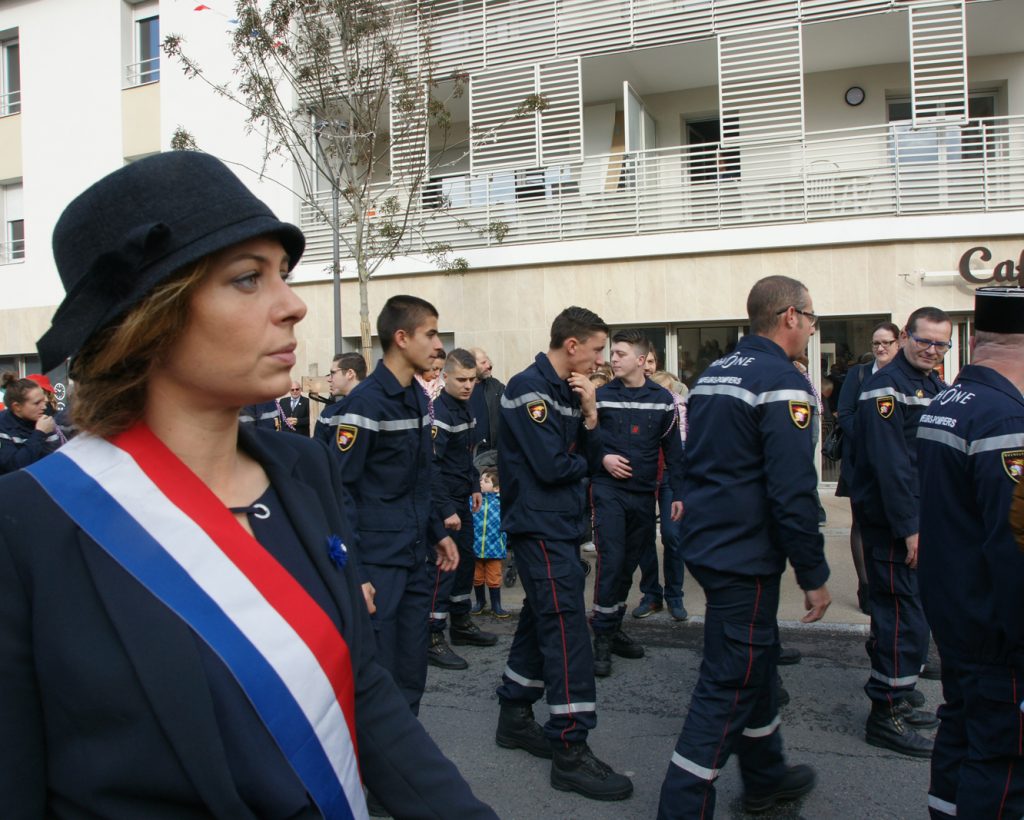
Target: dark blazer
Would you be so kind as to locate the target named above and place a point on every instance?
(301, 414)
(105, 710)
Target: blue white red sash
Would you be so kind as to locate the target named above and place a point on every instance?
(144, 507)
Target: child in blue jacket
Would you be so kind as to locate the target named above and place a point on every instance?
(488, 545)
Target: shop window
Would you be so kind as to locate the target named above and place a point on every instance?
(698, 346)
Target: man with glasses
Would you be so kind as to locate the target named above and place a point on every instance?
(296, 410)
(749, 494)
(886, 502)
(347, 370)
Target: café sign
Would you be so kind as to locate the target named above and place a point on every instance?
(1006, 272)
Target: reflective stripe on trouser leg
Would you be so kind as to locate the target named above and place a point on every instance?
(440, 592)
(736, 690)
(554, 645)
(609, 505)
(459, 599)
(950, 746)
(899, 632)
(992, 772)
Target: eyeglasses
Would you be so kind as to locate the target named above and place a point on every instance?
(813, 317)
(923, 344)
(884, 343)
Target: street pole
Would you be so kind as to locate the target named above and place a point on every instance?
(337, 272)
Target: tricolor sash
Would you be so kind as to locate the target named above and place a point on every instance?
(154, 516)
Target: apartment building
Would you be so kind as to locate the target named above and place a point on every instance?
(872, 148)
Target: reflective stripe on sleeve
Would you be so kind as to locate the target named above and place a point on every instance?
(526, 398)
(634, 405)
(902, 398)
(753, 399)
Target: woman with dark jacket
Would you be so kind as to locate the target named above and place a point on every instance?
(884, 347)
(25, 427)
(189, 638)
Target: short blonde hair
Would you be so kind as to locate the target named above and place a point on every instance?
(111, 372)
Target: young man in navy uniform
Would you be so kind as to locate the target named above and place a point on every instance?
(970, 445)
(885, 502)
(381, 437)
(638, 419)
(457, 496)
(749, 489)
(544, 453)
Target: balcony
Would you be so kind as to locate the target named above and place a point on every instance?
(13, 251)
(10, 103)
(142, 72)
(885, 170)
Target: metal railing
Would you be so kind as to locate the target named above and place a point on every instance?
(881, 170)
(140, 73)
(10, 103)
(13, 251)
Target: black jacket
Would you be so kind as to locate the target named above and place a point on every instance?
(105, 710)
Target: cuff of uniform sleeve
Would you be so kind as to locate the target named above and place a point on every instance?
(905, 527)
(813, 578)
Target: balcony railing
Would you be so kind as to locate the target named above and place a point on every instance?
(876, 171)
(10, 103)
(13, 251)
(146, 71)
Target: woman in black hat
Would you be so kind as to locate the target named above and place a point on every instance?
(190, 637)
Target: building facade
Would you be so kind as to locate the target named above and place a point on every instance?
(685, 149)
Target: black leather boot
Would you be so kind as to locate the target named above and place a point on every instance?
(886, 729)
(517, 729)
(625, 647)
(439, 654)
(915, 717)
(466, 633)
(575, 768)
(602, 655)
(796, 782)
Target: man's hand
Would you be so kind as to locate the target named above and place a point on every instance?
(477, 500)
(292, 420)
(583, 387)
(453, 522)
(45, 424)
(816, 601)
(617, 466)
(912, 550)
(677, 511)
(368, 594)
(447, 554)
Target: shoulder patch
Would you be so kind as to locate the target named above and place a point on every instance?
(885, 406)
(800, 413)
(346, 436)
(1013, 463)
(538, 411)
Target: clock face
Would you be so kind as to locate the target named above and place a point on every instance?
(854, 95)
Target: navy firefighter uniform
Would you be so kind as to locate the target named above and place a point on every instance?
(542, 459)
(456, 479)
(749, 489)
(885, 499)
(21, 443)
(971, 456)
(267, 415)
(636, 423)
(381, 437)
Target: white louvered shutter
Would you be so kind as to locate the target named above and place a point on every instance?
(938, 62)
(518, 31)
(498, 139)
(746, 14)
(761, 84)
(409, 134)
(561, 122)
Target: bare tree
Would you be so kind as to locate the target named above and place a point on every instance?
(347, 90)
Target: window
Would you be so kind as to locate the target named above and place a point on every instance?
(144, 62)
(12, 243)
(10, 78)
(947, 143)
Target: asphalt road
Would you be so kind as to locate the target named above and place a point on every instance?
(640, 712)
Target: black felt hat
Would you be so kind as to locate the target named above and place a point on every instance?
(136, 227)
(999, 310)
